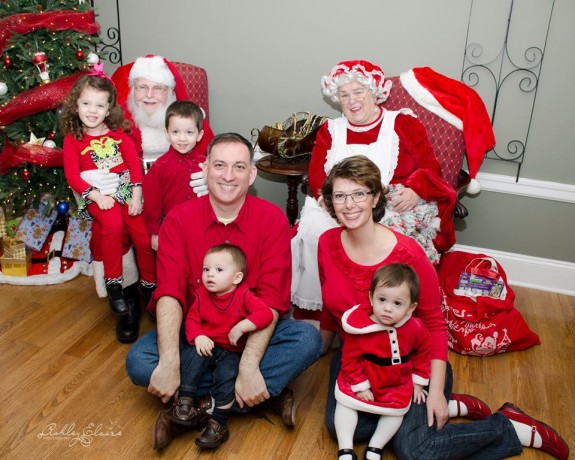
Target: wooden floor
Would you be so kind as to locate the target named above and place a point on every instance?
(62, 374)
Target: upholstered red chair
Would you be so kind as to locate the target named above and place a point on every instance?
(447, 141)
(196, 81)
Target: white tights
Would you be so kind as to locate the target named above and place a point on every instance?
(346, 422)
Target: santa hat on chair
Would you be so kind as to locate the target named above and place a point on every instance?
(459, 105)
(150, 67)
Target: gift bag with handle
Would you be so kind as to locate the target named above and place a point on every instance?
(478, 306)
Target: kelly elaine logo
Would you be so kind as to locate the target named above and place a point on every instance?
(83, 436)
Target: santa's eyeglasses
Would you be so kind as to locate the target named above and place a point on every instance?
(156, 90)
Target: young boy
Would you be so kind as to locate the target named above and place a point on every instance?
(385, 359)
(167, 183)
(223, 312)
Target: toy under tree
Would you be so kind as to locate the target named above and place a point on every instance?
(45, 46)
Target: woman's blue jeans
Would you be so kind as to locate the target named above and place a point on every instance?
(294, 346)
(489, 439)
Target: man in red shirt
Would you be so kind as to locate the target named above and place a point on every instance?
(274, 355)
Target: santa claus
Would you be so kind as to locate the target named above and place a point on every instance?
(145, 88)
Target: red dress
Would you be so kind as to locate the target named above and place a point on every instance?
(388, 360)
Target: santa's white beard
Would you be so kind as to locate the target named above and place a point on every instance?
(154, 140)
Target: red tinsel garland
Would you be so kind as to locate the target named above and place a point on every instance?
(38, 99)
(24, 23)
(27, 153)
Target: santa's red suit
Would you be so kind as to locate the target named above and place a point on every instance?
(385, 359)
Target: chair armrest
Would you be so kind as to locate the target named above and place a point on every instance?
(463, 180)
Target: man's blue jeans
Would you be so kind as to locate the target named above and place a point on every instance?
(294, 346)
(489, 439)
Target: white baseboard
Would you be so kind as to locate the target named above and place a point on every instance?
(532, 272)
(527, 187)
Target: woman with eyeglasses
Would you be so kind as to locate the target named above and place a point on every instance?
(348, 257)
(420, 203)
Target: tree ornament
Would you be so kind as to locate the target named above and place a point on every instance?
(49, 144)
(62, 207)
(51, 135)
(36, 140)
(80, 55)
(3, 88)
(26, 175)
(7, 62)
(92, 60)
(40, 60)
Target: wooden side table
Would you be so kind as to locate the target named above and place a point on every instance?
(294, 173)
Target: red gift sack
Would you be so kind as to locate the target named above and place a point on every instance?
(478, 306)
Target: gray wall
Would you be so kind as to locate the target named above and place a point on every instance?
(265, 60)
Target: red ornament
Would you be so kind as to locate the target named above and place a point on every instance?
(7, 62)
(80, 55)
(40, 60)
(26, 175)
(51, 135)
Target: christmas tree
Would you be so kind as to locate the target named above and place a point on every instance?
(45, 46)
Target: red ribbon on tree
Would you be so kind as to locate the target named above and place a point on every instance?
(38, 99)
(24, 23)
(27, 153)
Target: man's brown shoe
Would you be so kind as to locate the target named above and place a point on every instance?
(284, 406)
(190, 412)
(213, 435)
(164, 429)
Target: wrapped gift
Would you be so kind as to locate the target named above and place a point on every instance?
(13, 248)
(77, 241)
(35, 225)
(12, 226)
(16, 266)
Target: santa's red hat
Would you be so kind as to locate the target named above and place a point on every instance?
(459, 105)
(150, 67)
(368, 74)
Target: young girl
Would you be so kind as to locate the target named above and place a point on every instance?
(93, 125)
(385, 359)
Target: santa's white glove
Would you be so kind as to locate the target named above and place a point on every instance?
(103, 179)
(198, 183)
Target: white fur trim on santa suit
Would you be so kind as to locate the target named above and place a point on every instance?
(375, 327)
(359, 405)
(152, 68)
(427, 100)
(419, 380)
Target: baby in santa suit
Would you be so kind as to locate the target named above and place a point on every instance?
(385, 359)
